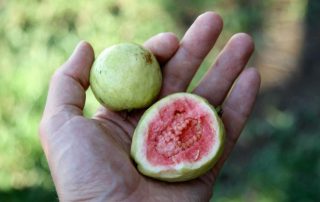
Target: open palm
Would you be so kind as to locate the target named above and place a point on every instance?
(89, 158)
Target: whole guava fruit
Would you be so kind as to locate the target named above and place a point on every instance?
(125, 76)
(178, 138)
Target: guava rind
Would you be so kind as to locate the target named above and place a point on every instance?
(125, 76)
(184, 173)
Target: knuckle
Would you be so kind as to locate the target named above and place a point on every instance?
(56, 75)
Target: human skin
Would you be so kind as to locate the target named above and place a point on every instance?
(89, 157)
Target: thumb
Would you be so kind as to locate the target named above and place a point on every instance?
(69, 83)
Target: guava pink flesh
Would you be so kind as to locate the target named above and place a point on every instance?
(182, 131)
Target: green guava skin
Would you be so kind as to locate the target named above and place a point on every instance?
(184, 173)
(125, 76)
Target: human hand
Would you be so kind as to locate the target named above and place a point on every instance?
(89, 157)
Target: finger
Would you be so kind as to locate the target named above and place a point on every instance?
(219, 79)
(163, 46)
(195, 45)
(237, 108)
(69, 83)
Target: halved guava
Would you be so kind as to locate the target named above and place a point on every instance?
(178, 138)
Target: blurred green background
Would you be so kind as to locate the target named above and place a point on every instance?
(278, 155)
